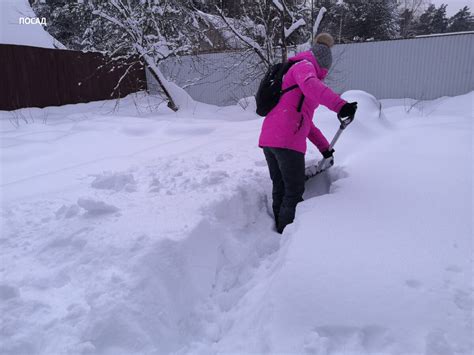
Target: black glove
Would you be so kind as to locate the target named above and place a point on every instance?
(328, 153)
(348, 110)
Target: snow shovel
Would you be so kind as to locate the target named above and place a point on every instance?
(324, 164)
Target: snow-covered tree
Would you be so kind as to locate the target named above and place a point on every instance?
(66, 20)
(409, 11)
(414, 6)
(406, 23)
(361, 20)
(268, 27)
(290, 22)
(153, 30)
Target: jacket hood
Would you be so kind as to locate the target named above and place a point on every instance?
(308, 55)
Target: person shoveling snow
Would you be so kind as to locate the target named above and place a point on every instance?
(288, 122)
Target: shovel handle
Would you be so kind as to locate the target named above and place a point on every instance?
(319, 166)
(345, 122)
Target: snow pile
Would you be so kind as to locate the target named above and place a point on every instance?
(94, 207)
(369, 108)
(13, 32)
(134, 229)
(113, 181)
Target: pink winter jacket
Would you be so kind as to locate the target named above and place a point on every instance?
(284, 127)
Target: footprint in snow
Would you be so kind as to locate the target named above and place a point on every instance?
(115, 181)
(315, 344)
(412, 283)
(81, 231)
(463, 300)
(215, 177)
(137, 131)
(95, 207)
(67, 211)
(437, 344)
(74, 311)
(155, 185)
(260, 163)
(77, 243)
(8, 292)
(223, 157)
(201, 165)
(191, 131)
(453, 268)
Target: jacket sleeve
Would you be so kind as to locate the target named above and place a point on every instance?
(317, 138)
(305, 76)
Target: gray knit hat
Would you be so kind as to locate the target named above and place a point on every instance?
(322, 50)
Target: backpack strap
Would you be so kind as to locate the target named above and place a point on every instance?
(289, 89)
(300, 103)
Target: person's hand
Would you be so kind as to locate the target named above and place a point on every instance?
(329, 153)
(348, 110)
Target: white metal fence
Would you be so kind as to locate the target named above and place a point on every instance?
(216, 78)
(419, 68)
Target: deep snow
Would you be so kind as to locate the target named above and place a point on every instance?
(132, 229)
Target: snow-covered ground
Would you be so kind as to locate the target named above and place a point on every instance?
(135, 230)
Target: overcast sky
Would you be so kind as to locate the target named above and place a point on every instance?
(454, 5)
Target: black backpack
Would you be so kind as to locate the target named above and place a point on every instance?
(269, 91)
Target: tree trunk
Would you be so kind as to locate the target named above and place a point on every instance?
(284, 49)
(171, 103)
(150, 62)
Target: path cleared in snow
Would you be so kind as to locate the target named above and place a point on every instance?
(150, 232)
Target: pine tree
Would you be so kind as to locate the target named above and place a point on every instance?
(409, 11)
(360, 20)
(433, 20)
(440, 21)
(461, 21)
(405, 23)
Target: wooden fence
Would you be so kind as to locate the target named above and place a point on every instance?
(40, 77)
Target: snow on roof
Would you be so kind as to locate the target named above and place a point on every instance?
(445, 34)
(12, 31)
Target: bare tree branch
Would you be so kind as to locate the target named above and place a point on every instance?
(253, 45)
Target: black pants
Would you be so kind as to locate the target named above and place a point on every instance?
(287, 171)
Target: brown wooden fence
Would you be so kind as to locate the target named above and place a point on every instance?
(40, 77)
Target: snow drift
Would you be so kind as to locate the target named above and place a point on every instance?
(139, 230)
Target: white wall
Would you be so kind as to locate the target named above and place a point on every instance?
(419, 68)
